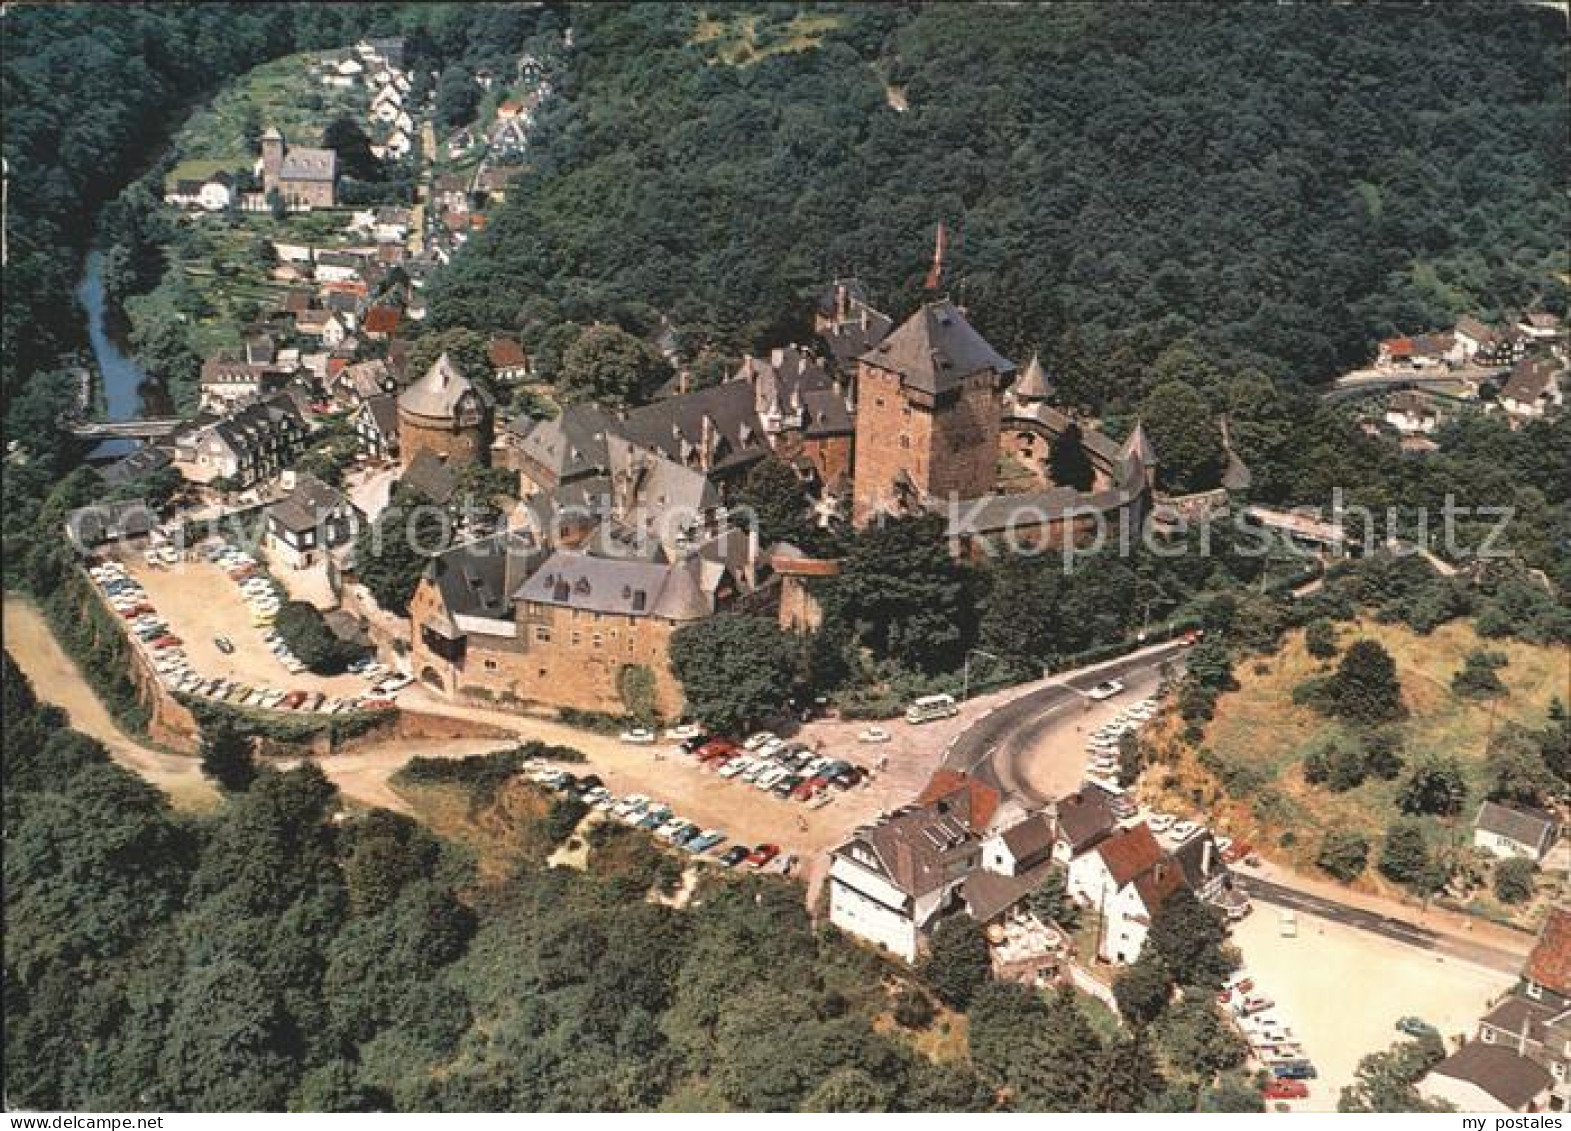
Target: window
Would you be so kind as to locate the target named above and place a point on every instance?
(597, 640)
(578, 638)
(905, 441)
(1535, 991)
(542, 634)
(490, 665)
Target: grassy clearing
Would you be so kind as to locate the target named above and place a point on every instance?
(286, 93)
(504, 833)
(745, 40)
(1260, 724)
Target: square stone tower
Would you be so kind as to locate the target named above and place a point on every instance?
(929, 404)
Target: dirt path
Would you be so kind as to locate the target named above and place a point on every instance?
(56, 679)
(362, 776)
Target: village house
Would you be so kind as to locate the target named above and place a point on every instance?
(1533, 1023)
(952, 851)
(303, 177)
(1539, 326)
(1485, 345)
(1535, 389)
(323, 325)
(380, 322)
(1126, 878)
(229, 380)
(1487, 1078)
(1508, 830)
(376, 426)
(1412, 414)
(243, 447)
(309, 523)
(509, 362)
(338, 267)
(359, 382)
(214, 194)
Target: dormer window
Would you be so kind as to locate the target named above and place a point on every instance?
(1535, 991)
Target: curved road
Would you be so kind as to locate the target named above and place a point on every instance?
(993, 748)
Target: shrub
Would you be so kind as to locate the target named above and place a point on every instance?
(1343, 854)
(1383, 754)
(912, 1009)
(1513, 880)
(1435, 787)
(306, 631)
(1320, 638)
(1478, 677)
(1365, 687)
(1404, 857)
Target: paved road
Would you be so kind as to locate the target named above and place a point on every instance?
(992, 747)
(1410, 934)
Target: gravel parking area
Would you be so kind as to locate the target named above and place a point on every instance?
(1343, 990)
(200, 602)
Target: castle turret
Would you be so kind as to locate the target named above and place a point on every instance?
(442, 413)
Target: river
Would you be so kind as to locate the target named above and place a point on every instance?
(128, 391)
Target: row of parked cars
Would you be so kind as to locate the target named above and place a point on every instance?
(165, 650)
(768, 763)
(1102, 745)
(1272, 1041)
(638, 811)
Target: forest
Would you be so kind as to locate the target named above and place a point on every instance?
(1285, 185)
(283, 952)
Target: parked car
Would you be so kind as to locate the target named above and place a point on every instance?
(735, 855)
(224, 645)
(1416, 1027)
(1105, 690)
(1286, 1088)
(1294, 1070)
(696, 742)
(638, 736)
(762, 855)
(735, 766)
(682, 732)
(872, 735)
(704, 841)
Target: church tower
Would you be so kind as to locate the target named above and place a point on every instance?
(929, 406)
(272, 158)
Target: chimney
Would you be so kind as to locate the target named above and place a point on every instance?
(684, 379)
(841, 305)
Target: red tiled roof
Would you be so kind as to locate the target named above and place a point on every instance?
(975, 801)
(1550, 963)
(382, 319)
(505, 353)
(1399, 347)
(1130, 853)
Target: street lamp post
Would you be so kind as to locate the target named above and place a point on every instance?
(965, 684)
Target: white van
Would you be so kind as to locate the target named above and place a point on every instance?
(930, 707)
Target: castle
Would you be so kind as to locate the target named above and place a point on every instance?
(624, 535)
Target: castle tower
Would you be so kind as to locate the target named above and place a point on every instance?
(929, 405)
(272, 159)
(442, 413)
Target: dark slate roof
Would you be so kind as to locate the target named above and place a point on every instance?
(1531, 378)
(678, 591)
(107, 522)
(1084, 818)
(1532, 827)
(1513, 1080)
(572, 445)
(307, 505)
(1521, 1017)
(1031, 837)
(989, 894)
(995, 514)
(1200, 860)
(677, 427)
(918, 849)
(431, 477)
(144, 461)
(935, 349)
(383, 411)
(477, 578)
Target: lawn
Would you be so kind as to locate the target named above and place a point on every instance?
(285, 93)
(1259, 725)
